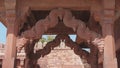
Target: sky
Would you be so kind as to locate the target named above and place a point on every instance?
(73, 37)
(3, 31)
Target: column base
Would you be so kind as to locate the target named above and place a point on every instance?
(110, 64)
(8, 63)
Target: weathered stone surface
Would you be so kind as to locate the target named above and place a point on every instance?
(61, 58)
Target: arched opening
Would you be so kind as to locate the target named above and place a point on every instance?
(56, 18)
(61, 56)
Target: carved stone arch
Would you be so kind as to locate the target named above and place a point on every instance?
(52, 44)
(52, 20)
(90, 57)
(79, 27)
(33, 57)
(43, 25)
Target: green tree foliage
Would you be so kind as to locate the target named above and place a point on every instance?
(48, 39)
(42, 40)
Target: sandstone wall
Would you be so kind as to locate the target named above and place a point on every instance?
(62, 58)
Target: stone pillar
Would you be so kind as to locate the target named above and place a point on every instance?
(108, 34)
(109, 48)
(10, 50)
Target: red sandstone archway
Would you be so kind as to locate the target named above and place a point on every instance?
(51, 21)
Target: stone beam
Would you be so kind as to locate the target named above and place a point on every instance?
(51, 4)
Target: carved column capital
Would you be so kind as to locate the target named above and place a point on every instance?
(10, 4)
(108, 11)
(108, 16)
